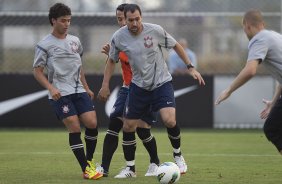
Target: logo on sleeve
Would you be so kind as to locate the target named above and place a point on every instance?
(148, 41)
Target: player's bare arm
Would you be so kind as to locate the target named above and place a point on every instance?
(41, 78)
(85, 85)
(191, 70)
(269, 103)
(106, 49)
(244, 76)
(104, 92)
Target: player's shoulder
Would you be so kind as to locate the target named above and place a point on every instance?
(73, 37)
(260, 39)
(155, 28)
(46, 40)
(263, 36)
(120, 34)
(151, 26)
(121, 31)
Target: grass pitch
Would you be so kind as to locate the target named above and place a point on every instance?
(213, 156)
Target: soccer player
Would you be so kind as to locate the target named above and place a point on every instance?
(265, 47)
(69, 95)
(116, 117)
(151, 84)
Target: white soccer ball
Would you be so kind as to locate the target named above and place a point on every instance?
(168, 173)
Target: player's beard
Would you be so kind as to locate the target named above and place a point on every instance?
(134, 30)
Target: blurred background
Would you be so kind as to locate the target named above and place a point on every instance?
(211, 27)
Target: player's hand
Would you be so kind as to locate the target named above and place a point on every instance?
(223, 96)
(104, 94)
(55, 93)
(268, 105)
(90, 93)
(106, 49)
(196, 75)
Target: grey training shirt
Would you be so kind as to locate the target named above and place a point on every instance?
(144, 54)
(267, 47)
(62, 59)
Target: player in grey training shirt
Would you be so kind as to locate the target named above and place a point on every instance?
(53, 53)
(69, 94)
(151, 85)
(150, 74)
(265, 47)
(116, 117)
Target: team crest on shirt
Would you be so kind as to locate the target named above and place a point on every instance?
(148, 41)
(74, 47)
(65, 109)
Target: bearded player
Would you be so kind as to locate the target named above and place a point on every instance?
(116, 116)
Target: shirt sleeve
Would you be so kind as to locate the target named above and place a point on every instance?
(257, 50)
(114, 51)
(40, 57)
(80, 48)
(165, 39)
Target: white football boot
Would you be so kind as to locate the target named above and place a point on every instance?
(126, 173)
(180, 162)
(152, 170)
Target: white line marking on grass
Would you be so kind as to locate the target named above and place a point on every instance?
(232, 155)
(165, 154)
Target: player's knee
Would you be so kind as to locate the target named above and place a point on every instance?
(142, 124)
(73, 127)
(91, 124)
(128, 128)
(129, 125)
(169, 123)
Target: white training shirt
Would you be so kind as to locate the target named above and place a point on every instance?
(144, 53)
(267, 47)
(62, 59)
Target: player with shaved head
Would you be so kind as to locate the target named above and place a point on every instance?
(265, 48)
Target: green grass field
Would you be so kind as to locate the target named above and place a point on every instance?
(213, 156)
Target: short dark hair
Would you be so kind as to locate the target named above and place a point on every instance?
(121, 7)
(253, 17)
(131, 8)
(58, 10)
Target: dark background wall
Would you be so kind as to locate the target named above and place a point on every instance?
(194, 109)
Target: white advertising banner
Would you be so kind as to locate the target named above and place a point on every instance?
(242, 109)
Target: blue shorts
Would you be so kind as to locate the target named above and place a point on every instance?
(74, 104)
(139, 100)
(149, 116)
